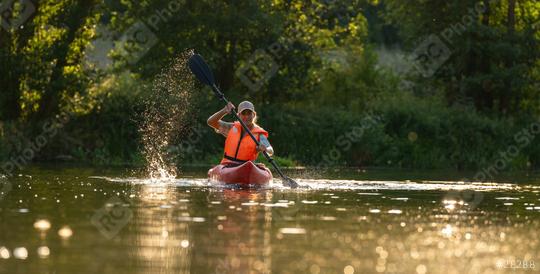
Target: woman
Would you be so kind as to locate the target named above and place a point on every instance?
(239, 146)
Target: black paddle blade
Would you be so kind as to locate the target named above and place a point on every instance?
(201, 70)
(289, 182)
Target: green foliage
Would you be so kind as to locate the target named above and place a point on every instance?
(108, 134)
(493, 45)
(329, 103)
(424, 133)
(351, 80)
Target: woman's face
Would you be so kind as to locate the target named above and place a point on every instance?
(247, 117)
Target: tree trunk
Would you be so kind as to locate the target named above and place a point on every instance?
(12, 60)
(504, 100)
(485, 99)
(511, 16)
(226, 72)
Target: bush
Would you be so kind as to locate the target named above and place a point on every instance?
(424, 133)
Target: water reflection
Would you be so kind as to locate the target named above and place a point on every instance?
(162, 237)
(186, 226)
(239, 240)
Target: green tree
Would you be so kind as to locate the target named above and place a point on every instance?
(295, 34)
(41, 59)
(493, 45)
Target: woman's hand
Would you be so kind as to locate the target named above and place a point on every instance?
(268, 150)
(261, 148)
(213, 121)
(229, 108)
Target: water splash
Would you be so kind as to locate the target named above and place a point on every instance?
(165, 116)
(307, 185)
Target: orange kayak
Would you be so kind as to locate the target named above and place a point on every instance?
(245, 174)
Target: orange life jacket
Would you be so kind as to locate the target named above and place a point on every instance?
(241, 150)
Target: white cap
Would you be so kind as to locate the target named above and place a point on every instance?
(245, 105)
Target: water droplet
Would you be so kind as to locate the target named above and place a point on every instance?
(4, 253)
(65, 232)
(42, 225)
(292, 230)
(421, 269)
(43, 252)
(20, 253)
(447, 231)
(348, 270)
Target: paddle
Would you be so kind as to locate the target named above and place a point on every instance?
(204, 74)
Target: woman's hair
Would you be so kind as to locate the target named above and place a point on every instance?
(255, 118)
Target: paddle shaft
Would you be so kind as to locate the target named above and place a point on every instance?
(270, 159)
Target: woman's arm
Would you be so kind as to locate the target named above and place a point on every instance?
(265, 145)
(213, 121)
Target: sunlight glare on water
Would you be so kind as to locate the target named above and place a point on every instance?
(191, 225)
(319, 184)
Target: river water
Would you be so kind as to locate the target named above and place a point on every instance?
(91, 220)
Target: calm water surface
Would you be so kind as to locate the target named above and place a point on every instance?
(77, 220)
